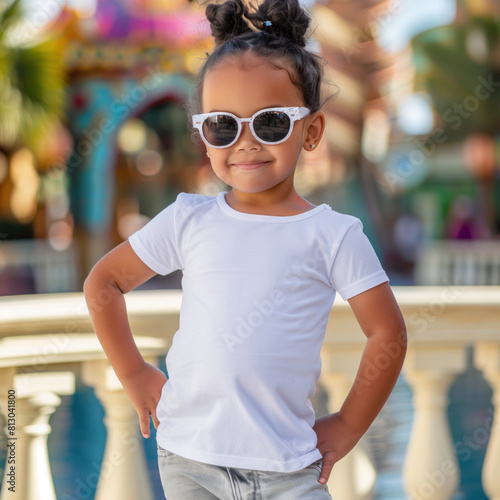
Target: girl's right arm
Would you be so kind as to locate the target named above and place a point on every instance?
(117, 273)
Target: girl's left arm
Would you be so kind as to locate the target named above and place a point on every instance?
(381, 320)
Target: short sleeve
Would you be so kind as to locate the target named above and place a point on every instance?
(356, 267)
(156, 243)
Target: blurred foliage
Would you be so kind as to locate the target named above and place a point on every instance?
(453, 63)
(32, 81)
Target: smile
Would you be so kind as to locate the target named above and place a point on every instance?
(250, 165)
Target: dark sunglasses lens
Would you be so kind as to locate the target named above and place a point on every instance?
(272, 126)
(220, 130)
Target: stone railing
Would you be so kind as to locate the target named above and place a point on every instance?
(44, 339)
(461, 262)
(45, 269)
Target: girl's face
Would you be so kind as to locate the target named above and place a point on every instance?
(244, 86)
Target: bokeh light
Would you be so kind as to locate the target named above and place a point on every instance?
(128, 224)
(26, 181)
(60, 235)
(149, 162)
(132, 136)
(415, 116)
(4, 167)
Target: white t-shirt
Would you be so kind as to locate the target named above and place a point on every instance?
(257, 292)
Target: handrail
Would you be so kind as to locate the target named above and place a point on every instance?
(159, 309)
(442, 323)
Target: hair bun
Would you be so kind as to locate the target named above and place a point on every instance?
(227, 20)
(288, 19)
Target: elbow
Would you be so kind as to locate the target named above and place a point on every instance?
(89, 293)
(99, 284)
(395, 342)
(90, 290)
(399, 333)
(403, 332)
(88, 284)
(100, 291)
(402, 340)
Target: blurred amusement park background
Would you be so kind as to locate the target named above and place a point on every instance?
(94, 142)
(94, 138)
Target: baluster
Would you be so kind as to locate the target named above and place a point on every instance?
(36, 400)
(353, 477)
(123, 473)
(34, 476)
(33, 408)
(431, 469)
(487, 359)
(494, 275)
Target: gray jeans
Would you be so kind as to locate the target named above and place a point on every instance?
(185, 479)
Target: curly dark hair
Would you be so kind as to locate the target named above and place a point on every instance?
(276, 31)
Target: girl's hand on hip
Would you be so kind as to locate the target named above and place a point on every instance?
(335, 441)
(143, 388)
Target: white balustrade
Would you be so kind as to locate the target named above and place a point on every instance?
(36, 399)
(123, 474)
(460, 262)
(431, 470)
(52, 270)
(33, 475)
(353, 477)
(47, 337)
(124, 454)
(488, 360)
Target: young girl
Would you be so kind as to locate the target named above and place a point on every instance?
(261, 267)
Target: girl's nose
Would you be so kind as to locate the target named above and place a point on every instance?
(247, 141)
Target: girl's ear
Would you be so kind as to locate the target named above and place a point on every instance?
(315, 126)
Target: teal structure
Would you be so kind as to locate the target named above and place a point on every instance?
(99, 107)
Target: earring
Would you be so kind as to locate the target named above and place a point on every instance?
(208, 155)
(313, 146)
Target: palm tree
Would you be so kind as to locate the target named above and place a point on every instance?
(459, 67)
(452, 62)
(32, 82)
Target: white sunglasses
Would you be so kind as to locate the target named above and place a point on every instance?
(269, 126)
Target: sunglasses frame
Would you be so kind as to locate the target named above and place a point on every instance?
(294, 113)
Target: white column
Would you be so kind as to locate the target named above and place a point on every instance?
(36, 400)
(431, 469)
(123, 473)
(487, 359)
(353, 477)
(33, 474)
